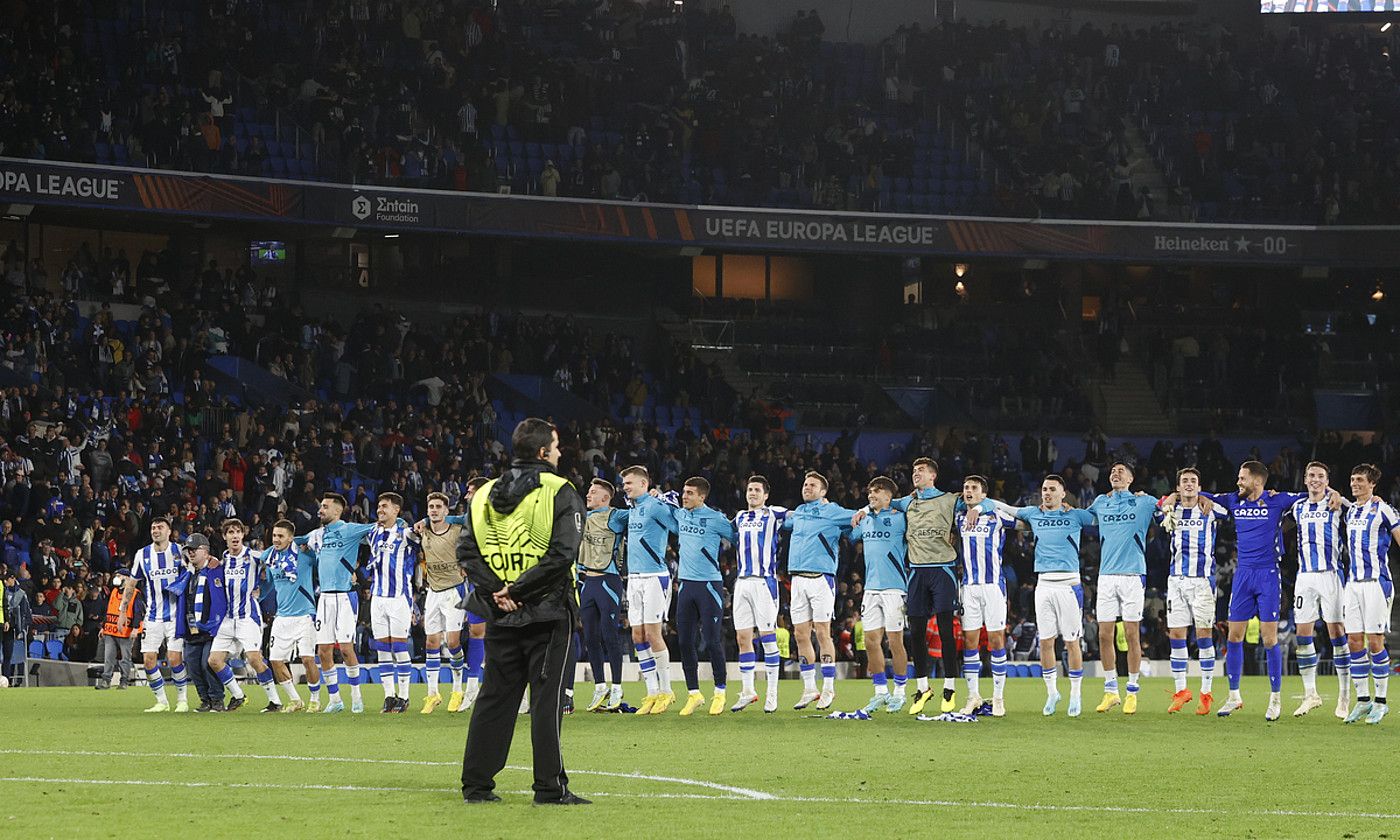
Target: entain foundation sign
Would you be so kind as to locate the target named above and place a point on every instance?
(55, 184)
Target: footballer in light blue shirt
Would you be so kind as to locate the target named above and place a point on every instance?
(289, 572)
(650, 524)
(886, 587)
(704, 532)
(1124, 519)
(1059, 592)
(817, 526)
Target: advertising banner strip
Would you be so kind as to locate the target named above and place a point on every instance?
(85, 186)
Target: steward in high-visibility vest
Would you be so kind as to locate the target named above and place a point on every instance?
(519, 549)
(111, 626)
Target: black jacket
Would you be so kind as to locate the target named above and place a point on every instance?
(546, 591)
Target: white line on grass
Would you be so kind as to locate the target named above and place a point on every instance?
(336, 788)
(729, 792)
(738, 792)
(1110, 809)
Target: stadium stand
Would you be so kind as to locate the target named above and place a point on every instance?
(670, 103)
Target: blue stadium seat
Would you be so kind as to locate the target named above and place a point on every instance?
(36, 649)
(53, 649)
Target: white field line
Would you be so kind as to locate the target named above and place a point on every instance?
(727, 792)
(737, 792)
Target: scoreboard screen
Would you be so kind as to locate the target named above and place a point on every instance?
(1305, 6)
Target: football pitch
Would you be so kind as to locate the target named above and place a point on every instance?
(82, 763)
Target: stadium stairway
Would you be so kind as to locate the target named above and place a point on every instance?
(253, 384)
(1145, 171)
(530, 395)
(1127, 405)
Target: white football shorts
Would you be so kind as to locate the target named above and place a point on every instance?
(157, 633)
(813, 599)
(293, 635)
(648, 599)
(756, 604)
(1120, 596)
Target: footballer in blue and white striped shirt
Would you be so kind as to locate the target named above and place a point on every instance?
(1318, 590)
(1372, 525)
(983, 594)
(1192, 523)
(393, 559)
(242, 627)
(756, 591)
(160, 568)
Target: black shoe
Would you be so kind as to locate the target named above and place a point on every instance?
(402, 705)
(389, 704)
(481, 798)
(272, 707)
(204, 707)
(217, 706)
(234, 703)
(568, 706)
(566, 799)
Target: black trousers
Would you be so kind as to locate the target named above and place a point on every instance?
(535, 655)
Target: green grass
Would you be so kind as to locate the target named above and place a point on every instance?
(887, 777)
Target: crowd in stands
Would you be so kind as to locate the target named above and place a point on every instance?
(89, 453)
(658, 101)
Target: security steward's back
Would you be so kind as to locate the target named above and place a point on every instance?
(519, 549)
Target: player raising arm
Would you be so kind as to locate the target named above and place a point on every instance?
(1192, 523)
(984, 593)
(756, 591)
(700, 598)
(650, 523)
(886, 587)
(1059, 591)
(817, 526)
(288, 572)
(1258, 517)
(392, 558)
(336, 546)
(1317, 592)
(1123, 520)
(242, 628)
(160, 568)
